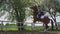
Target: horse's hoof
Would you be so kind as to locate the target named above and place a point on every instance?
(45, 30)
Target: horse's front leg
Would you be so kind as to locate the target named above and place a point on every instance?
(33, 25)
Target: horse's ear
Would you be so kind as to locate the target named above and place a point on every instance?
(31, 7)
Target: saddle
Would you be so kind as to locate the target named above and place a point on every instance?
(43, 18)
(40, 14)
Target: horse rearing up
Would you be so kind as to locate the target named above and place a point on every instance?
(45, 20)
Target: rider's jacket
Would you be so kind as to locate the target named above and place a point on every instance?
(40, 14)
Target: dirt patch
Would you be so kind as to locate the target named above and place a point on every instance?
(30, 32)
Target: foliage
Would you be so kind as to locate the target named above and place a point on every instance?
(53, 4)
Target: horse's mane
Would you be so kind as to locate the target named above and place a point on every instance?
(35, 9)
(35, 12)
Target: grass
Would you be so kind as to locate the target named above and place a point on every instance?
(10, 27)
(28, 28)
(36, 28)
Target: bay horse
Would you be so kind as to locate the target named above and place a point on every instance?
(45, 20)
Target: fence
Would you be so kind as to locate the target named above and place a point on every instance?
(2, 26)
(22, 32)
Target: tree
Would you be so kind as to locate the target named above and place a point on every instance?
(17, 9)
(52, 4)
(20, 9)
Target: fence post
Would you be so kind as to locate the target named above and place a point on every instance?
(1, 25)
(21, 26)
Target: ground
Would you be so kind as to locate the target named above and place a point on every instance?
(30, 32)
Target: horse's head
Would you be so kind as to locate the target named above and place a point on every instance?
(35, 8)
(32, 7)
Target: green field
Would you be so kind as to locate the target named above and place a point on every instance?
(13, 27)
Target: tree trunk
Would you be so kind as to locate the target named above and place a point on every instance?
(52, 27)
(54, 19)
(20, 26)
(18, 18)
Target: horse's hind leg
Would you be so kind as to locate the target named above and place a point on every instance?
(46, 27)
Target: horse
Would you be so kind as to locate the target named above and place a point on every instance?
(45, 20)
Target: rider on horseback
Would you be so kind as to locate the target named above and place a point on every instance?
(41, 15)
